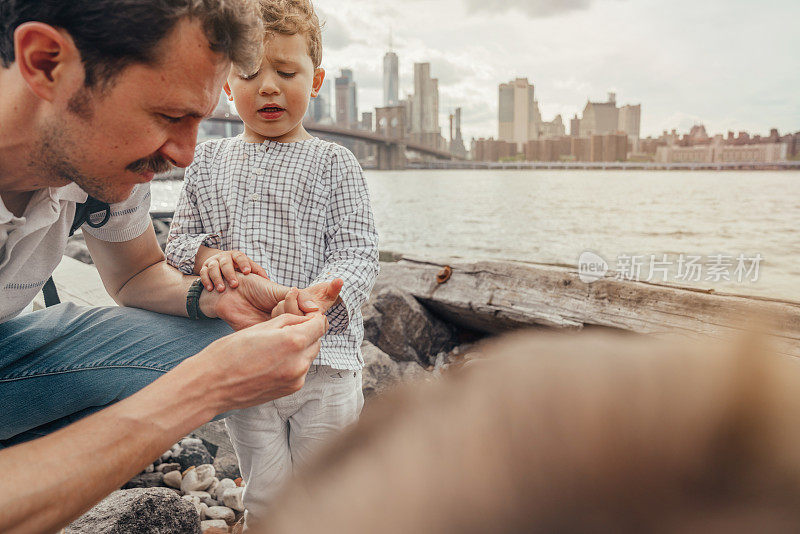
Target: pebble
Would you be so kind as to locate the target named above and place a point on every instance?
(198, 478)
(194, 500)
(149, 469)
(232, 498)
(199, 494)
(221, 512)
(173, 479)
(223, 485)
(166, 468)
(213, 523)
(186, 442)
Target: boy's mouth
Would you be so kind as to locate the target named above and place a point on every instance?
(271, 112)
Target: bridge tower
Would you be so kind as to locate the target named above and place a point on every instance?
(391, 122)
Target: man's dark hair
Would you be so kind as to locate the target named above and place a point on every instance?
(113, 34)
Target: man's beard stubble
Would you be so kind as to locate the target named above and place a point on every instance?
(58, 142)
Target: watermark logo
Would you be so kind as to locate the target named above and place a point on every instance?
(591, 267)
(713, 268)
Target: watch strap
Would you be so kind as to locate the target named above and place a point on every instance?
(193, 301)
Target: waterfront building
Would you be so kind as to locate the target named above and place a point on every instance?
(391, 80)
(722, 153)
(424, 108)
(519, 117)
(575, 126)
(366, 121)
(346, 100)
(319, 108)
(493, 150)
(630, 121)
(457, 147)
(554, 128)
(600, 117)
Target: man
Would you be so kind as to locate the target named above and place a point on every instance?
(97, 96)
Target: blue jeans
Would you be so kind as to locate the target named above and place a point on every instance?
(66, 362)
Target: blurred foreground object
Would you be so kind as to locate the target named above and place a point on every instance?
(591, 432)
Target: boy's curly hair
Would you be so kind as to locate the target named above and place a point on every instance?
(291, 17)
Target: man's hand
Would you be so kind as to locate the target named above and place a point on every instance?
(324, 296)
(221, 267)
(256, 297)
(265, 361)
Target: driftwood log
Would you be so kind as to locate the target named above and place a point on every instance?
(494, 296)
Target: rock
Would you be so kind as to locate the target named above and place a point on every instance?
(224, 484)
(206, 526)
(209, 501)
(226, 465)
(195, 502)
(166, 468)
(221, 512)
(185, 442)
(212, 489)
(150, 468)
(141, 510)
(173, 479)
(145, 480)
(381, 371)
(199, 494)
(192, 454)
(404, 329)
(166, 456)
(202, 511)
(232, 498)
(198, 478)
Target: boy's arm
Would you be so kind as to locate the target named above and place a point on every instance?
(351, 251)
(189, 244)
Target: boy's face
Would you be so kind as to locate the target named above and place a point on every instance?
(273, 101)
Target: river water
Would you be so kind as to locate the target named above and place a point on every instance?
(735, 232)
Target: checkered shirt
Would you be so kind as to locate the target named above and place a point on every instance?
(301, 210)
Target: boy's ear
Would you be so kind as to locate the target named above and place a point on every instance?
(319, 77)
(47, 58)
(227, 89)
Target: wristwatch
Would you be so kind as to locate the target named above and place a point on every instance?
(193, 301)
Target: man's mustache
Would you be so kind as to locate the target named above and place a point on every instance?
(154, 164)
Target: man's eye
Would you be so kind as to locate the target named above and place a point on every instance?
(248, 76)
(287, 74)
(170, 118)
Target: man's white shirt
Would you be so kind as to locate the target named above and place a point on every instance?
(31, 246)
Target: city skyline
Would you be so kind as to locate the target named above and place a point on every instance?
(581, 51)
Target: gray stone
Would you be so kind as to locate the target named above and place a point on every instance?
(139, 511)
(173, 479)
(214, 524)
(166, 468)
(400, 326)
(145, 480)
(198, 479)
(381, 372)
(192, 454)
(226, 465)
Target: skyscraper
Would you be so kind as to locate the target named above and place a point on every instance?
(630, 118)
(425, 107)
(391, 80)
(319, 108)
(346, 100)
(519, 116)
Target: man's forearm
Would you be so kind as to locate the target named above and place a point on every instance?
(162, 288)
(52, 480)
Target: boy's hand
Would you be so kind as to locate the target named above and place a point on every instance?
(315, 299)
(222, 266)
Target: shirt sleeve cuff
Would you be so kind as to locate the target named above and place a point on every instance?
(340, 314)
(182, 251)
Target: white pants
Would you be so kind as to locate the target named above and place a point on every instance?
(274, 438)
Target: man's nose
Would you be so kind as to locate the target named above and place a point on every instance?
(179, 147)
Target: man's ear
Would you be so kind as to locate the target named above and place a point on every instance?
(227, 89)
(319, 77)
(46, 58)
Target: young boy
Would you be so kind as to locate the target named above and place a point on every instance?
(299, 207)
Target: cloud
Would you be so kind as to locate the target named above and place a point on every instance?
(532, 8)
(335, 33)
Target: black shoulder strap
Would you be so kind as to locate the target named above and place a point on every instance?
(83, 214)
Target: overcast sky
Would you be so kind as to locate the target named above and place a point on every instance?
(729, 64)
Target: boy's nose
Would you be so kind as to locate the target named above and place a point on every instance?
(268, 86)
